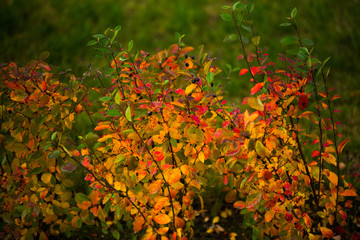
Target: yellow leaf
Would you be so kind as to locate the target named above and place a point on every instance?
(109, 178)
(331, 176)
(105, 137)
(64, 205)
(216, 219)
(46, 177)
(119, 186)
(162, 219)
(190, 88)
(162, 230)
(201, 157)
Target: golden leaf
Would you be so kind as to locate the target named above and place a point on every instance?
(269, 215)
(174, 176)
(162, 219)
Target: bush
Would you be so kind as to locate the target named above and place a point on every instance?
(161, 137)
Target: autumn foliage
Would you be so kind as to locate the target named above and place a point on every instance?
(161, 136)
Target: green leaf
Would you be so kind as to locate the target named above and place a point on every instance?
(116, 234)
(306, 41)
(130, 45)
(113, 113)
(117, 97)
(285, 24)
(103, 50)
(80, 197)
(128, 114)
(104, 99)
(244, 39)
(231, 37)
(137, 189)
(54, 154)
(99, 36)
(127, 131)
(226, 7)
(239, 5)
(246, 27)
(252, 6)
(120, 159)
(293, 51)
(36, 171)
(117, 28)
(113, 37)
(255, 233)
(91, 43)
(210, 77)
(53, 136)
(303, 53)
(293, 13)
(321, 67)
(255, 40)
(226, 16)
(287, 40)
(309, 88)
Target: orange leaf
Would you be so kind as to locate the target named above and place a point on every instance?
(307, 220)
(326, 232)
(174, 176)
(342, 145)
(162, 219)
(349, 193)
(138, 223)
(163, 201)
(154, 187)
(179, 222)
(101, 127)
(162, 230)
(335, 97)
(256, 88)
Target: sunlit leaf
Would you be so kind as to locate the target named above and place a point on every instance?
(162, 219)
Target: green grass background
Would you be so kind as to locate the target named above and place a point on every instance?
(64, 27)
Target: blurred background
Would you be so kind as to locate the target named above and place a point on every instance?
(63, 28)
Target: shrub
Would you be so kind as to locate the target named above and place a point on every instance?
(162, 136)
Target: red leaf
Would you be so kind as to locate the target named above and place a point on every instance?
(254, 70)
(180, 91)
(315, 153)
(239, 204)
(256, 88)
(243, 71)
